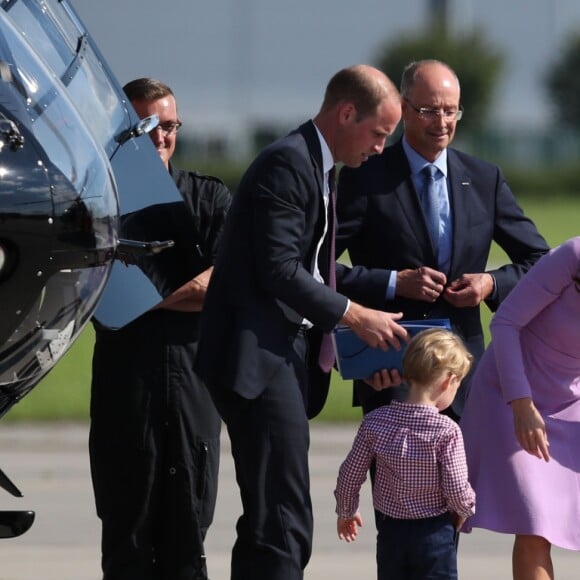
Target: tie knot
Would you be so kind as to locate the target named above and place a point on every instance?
(430, 171)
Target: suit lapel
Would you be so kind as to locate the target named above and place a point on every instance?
(408, 199)
(308, 132)
(310, 135)
(460, 190)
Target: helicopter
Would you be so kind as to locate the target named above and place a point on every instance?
(75, 164)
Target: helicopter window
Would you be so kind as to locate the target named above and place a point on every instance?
(63, 43)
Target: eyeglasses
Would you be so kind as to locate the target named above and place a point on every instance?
(168, 127)
(431, 114)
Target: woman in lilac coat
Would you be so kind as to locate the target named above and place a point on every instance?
(522, 419)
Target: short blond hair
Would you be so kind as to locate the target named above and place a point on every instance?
(431, 353)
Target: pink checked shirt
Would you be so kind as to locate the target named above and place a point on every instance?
(421, 468)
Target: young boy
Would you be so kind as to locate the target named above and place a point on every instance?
(421, 494)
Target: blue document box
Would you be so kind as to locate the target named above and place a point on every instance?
(357, 360)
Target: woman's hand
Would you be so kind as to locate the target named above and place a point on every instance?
(530, 428)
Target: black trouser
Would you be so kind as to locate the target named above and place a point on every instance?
(270, 440)
(422, 549)
(154, 450)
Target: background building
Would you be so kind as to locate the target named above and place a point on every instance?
(238, 64)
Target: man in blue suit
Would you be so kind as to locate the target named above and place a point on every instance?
(267, 305)
(384, 223)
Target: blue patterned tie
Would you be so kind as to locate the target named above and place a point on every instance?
(326, 357)
(430, 202)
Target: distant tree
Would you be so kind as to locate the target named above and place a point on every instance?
(563, 84)
(476, 64)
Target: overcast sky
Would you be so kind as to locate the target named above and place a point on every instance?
(234, 61)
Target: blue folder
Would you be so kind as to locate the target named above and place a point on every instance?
(357, 360)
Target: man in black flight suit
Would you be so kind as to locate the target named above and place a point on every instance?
(154, 437)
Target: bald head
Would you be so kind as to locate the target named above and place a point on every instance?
(429, 85)
(361, 108)
(428, 72)
(364, 86)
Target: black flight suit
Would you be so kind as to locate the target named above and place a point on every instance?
(154, 436)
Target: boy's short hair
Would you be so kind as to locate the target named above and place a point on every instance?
(433, 352)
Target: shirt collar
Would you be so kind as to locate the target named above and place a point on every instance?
(417, 162)
(327, 159)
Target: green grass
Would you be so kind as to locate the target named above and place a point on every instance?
(64, 393)
(557, 218)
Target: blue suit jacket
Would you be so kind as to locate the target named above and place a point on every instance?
(262, 287)
(382, 226)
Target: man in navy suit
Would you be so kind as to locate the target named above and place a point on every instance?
(384, 223)
(267, 305)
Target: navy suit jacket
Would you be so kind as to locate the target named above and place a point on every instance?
(262, 287)
(381, 224)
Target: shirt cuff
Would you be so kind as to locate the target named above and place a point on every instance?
(493, 295)
(392, 285)
(347, 307)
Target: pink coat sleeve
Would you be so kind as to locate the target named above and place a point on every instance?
(536, 291)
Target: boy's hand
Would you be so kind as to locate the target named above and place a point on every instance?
(457, 520)
(348, 527)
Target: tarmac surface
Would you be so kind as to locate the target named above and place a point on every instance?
(49, 463)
